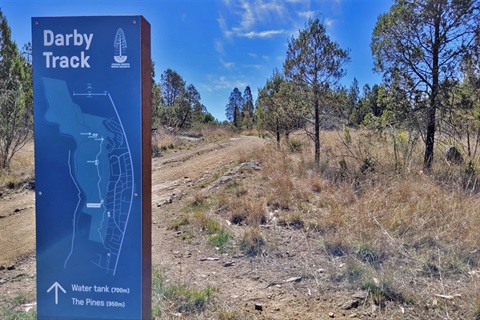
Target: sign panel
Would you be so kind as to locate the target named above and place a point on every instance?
(92, 167)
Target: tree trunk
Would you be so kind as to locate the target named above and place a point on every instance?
(4, 162)
(317, 129)
(432, 108)
(469, 149)
(278, 134)
(235, 117)
(183, 120)
(430, 137)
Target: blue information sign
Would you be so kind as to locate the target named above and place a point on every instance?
(88, 95)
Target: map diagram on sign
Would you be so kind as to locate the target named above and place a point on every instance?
(100, 167)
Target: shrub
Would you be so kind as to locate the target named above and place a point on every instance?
(295, 145)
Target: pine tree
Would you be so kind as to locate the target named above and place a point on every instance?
(233, 110)
(315, 63)
(248, 108)
(425, 40)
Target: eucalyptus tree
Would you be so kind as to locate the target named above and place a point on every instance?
(173, 86)
(181, 102)
(315, 63)
(425, 40)
(187, 106)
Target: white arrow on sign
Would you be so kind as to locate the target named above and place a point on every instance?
(56, 286)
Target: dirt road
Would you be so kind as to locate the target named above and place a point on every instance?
(170, 174)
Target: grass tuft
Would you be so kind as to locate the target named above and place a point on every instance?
(369, 253)
(221, 240)
(476, 310)
(207, 223)
(252, 242)
(225, 314)
(336, 247)
(170, 298)
(293, 220)
(12, 309)
(177, 223)
(382, 291)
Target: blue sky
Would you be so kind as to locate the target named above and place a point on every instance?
(218, 45)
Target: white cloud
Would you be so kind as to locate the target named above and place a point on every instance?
(256, 57)
(218, 44)
(335, 5)
(328, 22)
(262, 34)
(218, 83)
(247, 18)
(306, 14)
(254, 66)
(275, 9)
(223, 27)
(227, 64)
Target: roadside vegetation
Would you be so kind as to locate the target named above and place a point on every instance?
(406, 238)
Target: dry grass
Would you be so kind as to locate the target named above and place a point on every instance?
(403, 235)
(163, 141)
(21, 171)
(214, 133)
